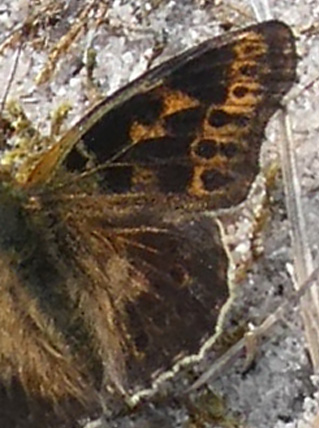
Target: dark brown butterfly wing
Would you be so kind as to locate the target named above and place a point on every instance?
(192, 128)
(112, 278)
(102, 298)
(154, 289)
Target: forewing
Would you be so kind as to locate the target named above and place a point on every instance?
(191, 128)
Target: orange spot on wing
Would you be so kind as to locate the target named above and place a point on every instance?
(140, 132)
(174, 101)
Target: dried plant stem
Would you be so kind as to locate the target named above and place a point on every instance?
(303, 263)
(263, 329)
(261, 10)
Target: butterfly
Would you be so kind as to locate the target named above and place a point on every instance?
(112, 273)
